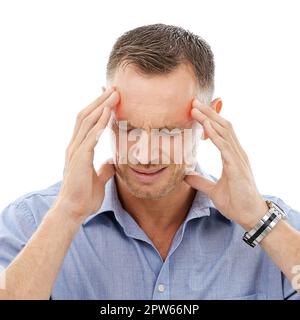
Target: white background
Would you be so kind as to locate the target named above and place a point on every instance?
(53, 56)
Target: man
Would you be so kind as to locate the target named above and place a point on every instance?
(143, 228)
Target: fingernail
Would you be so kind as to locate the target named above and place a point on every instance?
(196, 103)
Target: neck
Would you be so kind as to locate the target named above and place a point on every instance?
(155, 215)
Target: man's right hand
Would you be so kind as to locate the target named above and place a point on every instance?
(30, 275)
(82, 189)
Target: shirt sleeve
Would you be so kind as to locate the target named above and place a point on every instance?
(17, 225)
(293, 218)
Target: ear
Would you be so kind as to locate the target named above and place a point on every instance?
(216, 104)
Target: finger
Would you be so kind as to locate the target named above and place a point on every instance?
(93, 117)
(227, 133)
(211, 113)
(201, 117)
(90, 121)
(228, 136)
(223, 145)
(90, 108)
(198, 182)
(240, 148)
(224, 133)
(93, 136)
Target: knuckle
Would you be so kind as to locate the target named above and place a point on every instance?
(79, 116)
(226, 133)
(226, 144)
(228, 124)
(86, 122)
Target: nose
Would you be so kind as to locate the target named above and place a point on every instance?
(145, 150)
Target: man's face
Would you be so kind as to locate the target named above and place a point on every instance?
(150, 107)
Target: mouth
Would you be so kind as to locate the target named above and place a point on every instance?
(147, 176)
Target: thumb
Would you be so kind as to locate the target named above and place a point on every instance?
(106, 171)
(198, 182)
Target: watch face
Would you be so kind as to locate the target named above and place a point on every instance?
(281, 211)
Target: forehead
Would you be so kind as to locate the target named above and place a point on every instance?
(155, 100)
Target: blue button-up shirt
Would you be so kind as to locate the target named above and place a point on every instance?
(111, 257)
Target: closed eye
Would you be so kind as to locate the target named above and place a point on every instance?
(171, 133)
(127, 127)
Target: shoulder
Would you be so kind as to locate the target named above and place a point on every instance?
(33, 205)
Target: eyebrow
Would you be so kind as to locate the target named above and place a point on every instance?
(169, 127)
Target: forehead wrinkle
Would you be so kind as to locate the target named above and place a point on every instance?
(169, 126)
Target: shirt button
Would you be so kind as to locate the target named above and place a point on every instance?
(161, 288)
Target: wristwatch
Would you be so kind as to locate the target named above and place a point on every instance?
(265, 224)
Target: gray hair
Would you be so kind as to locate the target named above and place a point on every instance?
(159, 49)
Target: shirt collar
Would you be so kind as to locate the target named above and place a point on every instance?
(200, 206)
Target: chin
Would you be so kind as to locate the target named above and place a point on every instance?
(149, 192)
(152, 188)
(155, 191)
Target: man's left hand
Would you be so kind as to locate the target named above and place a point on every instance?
(235, 194)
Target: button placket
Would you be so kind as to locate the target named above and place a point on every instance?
(161, 290)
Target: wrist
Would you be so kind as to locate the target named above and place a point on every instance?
(265, 225)
(248, 222)
(60, 211)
